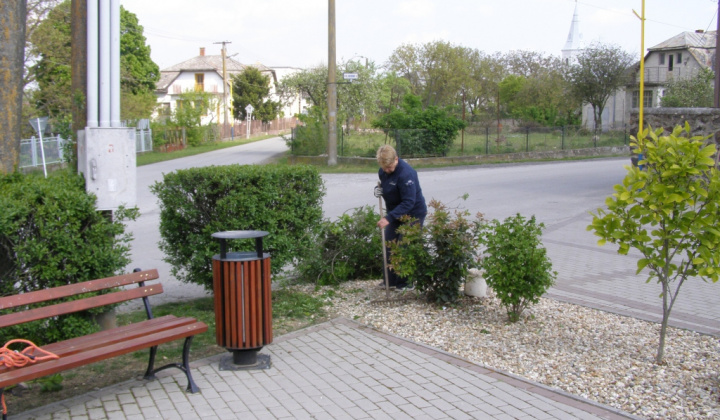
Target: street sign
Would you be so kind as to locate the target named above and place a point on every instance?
(350, 76)
(39, 124)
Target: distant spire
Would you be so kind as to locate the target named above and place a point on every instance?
(574, 43)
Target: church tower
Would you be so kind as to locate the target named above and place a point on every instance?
(574, 43)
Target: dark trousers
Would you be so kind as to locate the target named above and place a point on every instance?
(391, 234)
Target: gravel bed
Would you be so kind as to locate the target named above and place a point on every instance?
(598, 355)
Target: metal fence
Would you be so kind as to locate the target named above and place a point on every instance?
(33, 151)
(143, 141)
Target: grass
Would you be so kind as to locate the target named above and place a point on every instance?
(292, 310)
(155, 157)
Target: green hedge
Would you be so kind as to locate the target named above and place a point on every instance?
(195, 203)
(51, 235)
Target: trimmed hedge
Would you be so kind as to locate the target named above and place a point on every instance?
(197, 202)
(52, 235)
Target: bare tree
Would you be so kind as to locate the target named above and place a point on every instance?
(12, 53)
(600, 70)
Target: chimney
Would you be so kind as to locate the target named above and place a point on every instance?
(202, 51)
(699, 31)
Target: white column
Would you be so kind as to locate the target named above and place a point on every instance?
(92, 63)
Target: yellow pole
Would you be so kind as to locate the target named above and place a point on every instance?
(642, 69)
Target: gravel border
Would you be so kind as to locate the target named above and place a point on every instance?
(593, 354)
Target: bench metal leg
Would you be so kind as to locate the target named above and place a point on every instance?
(150, 372)
(184, 366)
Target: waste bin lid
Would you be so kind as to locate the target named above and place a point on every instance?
(240, 234)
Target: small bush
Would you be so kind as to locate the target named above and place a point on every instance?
(347, 249)
(52, 235)
(195, 203)
(437, 258)
(516, 265)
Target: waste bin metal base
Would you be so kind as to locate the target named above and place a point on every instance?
(248, 361)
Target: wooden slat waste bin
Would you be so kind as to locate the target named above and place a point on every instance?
(243, 301)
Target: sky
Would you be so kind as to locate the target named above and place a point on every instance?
(294, 33)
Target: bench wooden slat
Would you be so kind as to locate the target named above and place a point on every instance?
(115, 335)
(50, 367)
(78, 305)
(59, 292)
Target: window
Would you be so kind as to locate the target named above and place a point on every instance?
(165, 110)
(679, 61)
(199, 82)
(670, 62)
(661, 59)
(647, 99)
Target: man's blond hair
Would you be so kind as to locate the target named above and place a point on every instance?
(386, 155)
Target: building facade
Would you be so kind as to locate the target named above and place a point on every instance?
(204, 73)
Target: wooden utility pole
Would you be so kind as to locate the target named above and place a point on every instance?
(78, 63)
(332, 87)
(225, 85)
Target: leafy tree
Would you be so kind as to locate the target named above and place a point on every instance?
(432, 129)
(251, 87)
(37, 12)
(12, 42)
(695, 92)
(600, 70)
(191, 107)
(50, 42)
(52, 71)
(138, 72)
(310, 83)
(437, 71)
(669, 212)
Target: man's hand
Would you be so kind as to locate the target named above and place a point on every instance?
(382, 223)
(377, 191)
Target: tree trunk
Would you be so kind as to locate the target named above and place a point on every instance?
(12, 59)
(664, 325)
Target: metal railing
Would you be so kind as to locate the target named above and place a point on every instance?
(33, 151)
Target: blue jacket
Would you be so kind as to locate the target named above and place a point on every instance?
(402, 192)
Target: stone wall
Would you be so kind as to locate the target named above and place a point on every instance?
(703, 121)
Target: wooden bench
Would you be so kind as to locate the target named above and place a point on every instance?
(102, 345)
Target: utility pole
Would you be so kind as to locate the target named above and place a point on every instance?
(225, 86)
(332, 87)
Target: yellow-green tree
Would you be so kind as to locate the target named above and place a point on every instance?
(668, 208)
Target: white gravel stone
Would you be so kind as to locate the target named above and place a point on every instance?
(597, 355)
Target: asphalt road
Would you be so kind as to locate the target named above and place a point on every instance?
(554, 192)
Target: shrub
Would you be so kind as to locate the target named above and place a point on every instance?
(347, 249)
(437, 257)
(52, 235)
(516, 265)
(197, 202)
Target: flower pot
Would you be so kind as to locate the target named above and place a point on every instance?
(475, 284)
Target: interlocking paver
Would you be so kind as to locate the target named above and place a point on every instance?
(422, 383)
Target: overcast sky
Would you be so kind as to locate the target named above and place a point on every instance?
(294, 33)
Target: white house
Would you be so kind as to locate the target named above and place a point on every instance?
(204, 73)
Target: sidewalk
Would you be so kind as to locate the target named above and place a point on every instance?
(335, 370)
